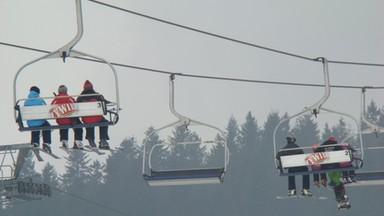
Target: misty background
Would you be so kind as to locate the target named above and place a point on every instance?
(251, 184)
(347, 30)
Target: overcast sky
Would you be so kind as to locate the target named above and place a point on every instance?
(346, 30)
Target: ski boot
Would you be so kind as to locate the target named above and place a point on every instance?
(47, 147)
(64, 143)
(92, 143)
(306, 192)
(291, 192)
(78, 144)
(103, 144)
(352, 178)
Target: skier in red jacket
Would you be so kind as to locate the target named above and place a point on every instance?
(65, 105)
(89, 95)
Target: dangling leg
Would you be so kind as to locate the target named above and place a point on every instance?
(305, 190)
(64, 137)
(35, 138)
(47, 139)
(90, 135)
(339, 190)
(103, 134)
(291, 186)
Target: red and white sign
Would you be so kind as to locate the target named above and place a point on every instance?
(316, 158)
(63, 110)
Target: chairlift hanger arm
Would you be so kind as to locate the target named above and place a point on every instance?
(65, 50)
(316, 107)
(374, 128)
(183, 119)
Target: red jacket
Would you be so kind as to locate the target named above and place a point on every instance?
(85, 97)
(66, 109)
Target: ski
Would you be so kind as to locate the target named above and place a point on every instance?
(70, 150)
(95, 150)
(37, 153)
(50, 154)
(65, 149)
(304, 197)
(114, 150)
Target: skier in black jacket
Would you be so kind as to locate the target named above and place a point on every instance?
(291, 144)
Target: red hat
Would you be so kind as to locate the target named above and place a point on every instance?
(332, 139)
(315, 146)
(88, 85)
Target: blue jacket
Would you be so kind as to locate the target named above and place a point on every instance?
(36, 102)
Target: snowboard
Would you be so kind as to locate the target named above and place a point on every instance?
(344, 203)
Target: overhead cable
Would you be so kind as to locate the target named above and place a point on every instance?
(231, 39)
(90, 201)
(196, 76)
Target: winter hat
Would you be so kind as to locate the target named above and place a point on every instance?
(35, 89)
(62, 89)
(291, 139)
(333, 139)
(315, 146)
(88, 85)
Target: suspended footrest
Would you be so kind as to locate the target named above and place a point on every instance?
(185, 177)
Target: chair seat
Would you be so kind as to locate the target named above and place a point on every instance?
(185, 177)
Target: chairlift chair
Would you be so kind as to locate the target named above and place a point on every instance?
(111, 110)
(159, 177)
(332, 157)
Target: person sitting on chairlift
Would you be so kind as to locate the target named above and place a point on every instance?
(62, 99)
(34, 94)
(291, 144)
(89, 95)
(335, 177)
(348, 176)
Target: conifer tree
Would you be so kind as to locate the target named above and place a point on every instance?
(233, 134)
(327, 133)
(183, 156)
(50, 176)
(77, 171)
(250, 131)
(28, 170)
(306, 131)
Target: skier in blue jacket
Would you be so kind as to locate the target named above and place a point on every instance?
(34, 95)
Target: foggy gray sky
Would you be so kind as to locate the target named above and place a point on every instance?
(338, 30)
